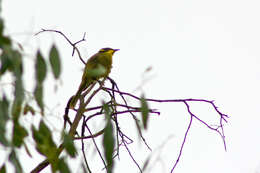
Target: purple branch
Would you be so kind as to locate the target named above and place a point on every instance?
(129, 152)
(185, 136)
(223, 117)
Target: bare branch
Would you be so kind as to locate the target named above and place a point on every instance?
(83, 149)
(72, 44)
(184, 139)
(222, 117)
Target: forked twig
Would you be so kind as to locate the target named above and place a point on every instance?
(72, 44)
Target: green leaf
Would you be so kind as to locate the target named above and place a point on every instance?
(1, 25)
(19, 133)
(16, 163)
(16, 59)
(4, 41)
(19, 91)
(40, 68)
(18, 100)
(4, 105)
(17, 69)
(54, 59)
(107, 110)
(63, 166)
(145, 111)
(108, 139)
(43, 129)
(3, 139)
(108, 144)
(44, 142)
(6, 62)
(69, 145)
(11, 60)
(4, 116)
(38, 94)
(38, 138)
(3, 169)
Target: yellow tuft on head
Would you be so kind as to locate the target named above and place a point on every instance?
(108, 50)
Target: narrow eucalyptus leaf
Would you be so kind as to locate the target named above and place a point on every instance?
(69, 145)
(6, 62)
(63, 166)
(3, 169)
(4, 106)
(55, 62)
(16, 59)
(19, 133)
(108, 144)
(44, 130)
(38, 94)
(44, 142)
(4, 116)
(3, 39)
(40, 68)
(144, 111)
(19, 98)
(3, 139)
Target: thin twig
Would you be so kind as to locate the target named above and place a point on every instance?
(129, 152)
(133, 116)
(82, 148)
(93, 139)
(72, 44)
(185, 137)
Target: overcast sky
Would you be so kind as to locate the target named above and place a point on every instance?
(197, 49)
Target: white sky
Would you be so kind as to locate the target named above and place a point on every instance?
(197, 49)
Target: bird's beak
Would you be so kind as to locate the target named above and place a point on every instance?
(116, 50)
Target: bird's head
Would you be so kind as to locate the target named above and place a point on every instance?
(108, 50)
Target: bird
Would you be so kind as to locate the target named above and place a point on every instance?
(99, 65)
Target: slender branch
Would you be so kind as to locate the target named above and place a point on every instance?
(129, 152)
(93, 139)
(114, 85)
(72, 44)
(185, 137)
(83, 147)
(223, 117)
(91, 136)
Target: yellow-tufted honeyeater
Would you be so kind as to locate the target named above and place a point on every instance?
(98, 66)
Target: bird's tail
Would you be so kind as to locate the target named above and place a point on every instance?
(75, 98)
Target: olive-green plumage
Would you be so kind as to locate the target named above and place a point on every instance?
(98, 66)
